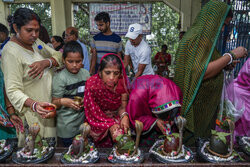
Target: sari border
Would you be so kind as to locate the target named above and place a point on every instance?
(209, 58)
(151, 127)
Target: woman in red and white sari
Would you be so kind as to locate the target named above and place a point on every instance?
(105, 100)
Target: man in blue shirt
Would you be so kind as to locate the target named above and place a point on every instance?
(71, 34)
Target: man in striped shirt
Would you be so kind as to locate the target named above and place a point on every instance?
(104, 42)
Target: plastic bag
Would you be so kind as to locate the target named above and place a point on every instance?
(228, 101)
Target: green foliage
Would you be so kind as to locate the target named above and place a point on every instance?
(67, 157)
(43, 10)
(164, 28)
(81, 20)
(118, 138)
(220, 135)
(78, 137)
(129, 146)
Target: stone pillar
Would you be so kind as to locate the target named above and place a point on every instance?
(188, 10)
(58, 16)
(69, 13)
(4, 12)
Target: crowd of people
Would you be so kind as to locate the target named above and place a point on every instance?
(35, 76)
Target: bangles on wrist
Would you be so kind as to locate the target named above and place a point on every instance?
(123, 114)
(231, 58)
(233, 55)
(33, 106)
(50, 63)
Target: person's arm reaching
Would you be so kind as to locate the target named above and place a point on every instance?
(141, 68)
(216, 66)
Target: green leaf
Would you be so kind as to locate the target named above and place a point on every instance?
(118, 138)
(45, 144)
(38, 138)
(169, 138)
(223, 139)
(67, 157)
(214, 132)
(78, 137)
(129, 145)
(161, 136)
(223, 134)
(38, 154)
(176, 135)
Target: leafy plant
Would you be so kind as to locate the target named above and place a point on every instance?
(67, 157)
(129, 145)
(220, 135)
(176, 135)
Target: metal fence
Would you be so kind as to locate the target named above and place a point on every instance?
(238, 32)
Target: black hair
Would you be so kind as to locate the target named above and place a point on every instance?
(164, 46)
(23, 16)
(102, 16)
(4, 29)
(58, 39)
(72, 46)
(63, 35)
(110, 59)
(73, 31)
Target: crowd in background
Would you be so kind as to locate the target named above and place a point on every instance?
(38, 71)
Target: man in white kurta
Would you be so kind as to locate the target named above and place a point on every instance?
(19, 86)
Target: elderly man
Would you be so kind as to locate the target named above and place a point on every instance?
(138, 51)
(71, 34)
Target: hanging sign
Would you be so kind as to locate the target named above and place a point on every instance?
(122, 15)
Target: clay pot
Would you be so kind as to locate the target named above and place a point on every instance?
(172, 145)
(121, 143)
(218, 146)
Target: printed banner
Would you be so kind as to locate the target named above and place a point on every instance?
(122, 15)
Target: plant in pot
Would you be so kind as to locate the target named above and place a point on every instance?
(218, 144)
(125, 144)
(171, 144)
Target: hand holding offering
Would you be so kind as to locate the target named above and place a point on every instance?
(52, 111)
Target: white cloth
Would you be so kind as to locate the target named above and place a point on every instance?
(140, 54)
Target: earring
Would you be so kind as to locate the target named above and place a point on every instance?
(17, 35)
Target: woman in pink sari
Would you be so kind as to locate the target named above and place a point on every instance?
(105, 101)
(154, 100)
(238, 94)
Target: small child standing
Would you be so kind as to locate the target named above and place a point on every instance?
(68, 84)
